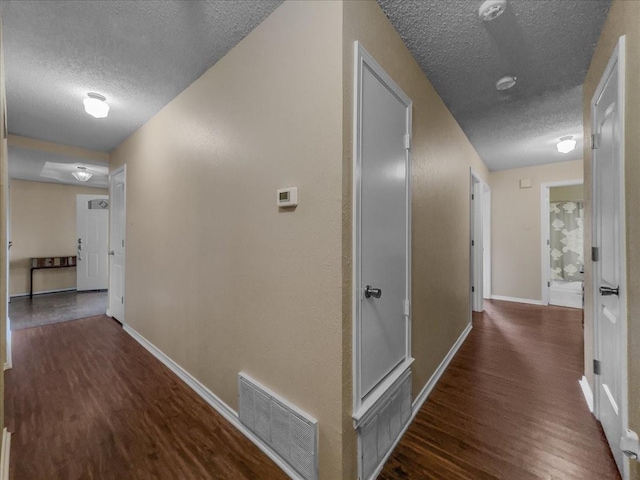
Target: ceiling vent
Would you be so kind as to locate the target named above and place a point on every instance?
(491, 9)
(505, 83)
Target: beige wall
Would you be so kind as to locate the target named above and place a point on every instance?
(4, 214)
(515, 227)
(216, 276)
(43, 224)
(623, 19)
(573, 193)
(441, 158)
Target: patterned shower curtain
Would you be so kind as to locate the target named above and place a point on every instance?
(567, 241)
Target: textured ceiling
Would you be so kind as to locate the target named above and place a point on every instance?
(547, 44)
(138, 54)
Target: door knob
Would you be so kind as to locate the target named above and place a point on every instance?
(606, 291)
(111, 252)
(372, 292)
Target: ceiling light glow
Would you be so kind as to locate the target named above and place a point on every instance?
(96, 105)
(82, 175)
(566, 144)
(505, 83)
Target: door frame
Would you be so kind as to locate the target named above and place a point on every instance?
(545, 232)
(85, 197)
(617, 60)
(480, 223)
(361, 57)
(122, 169)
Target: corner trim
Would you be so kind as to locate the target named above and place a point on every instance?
(212, 399)
(426, 390)
(516, 300)
(586, 391)
(4, 455)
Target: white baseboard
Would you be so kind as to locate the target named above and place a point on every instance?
(517, 300)
(212, 399)
(424, 394)
(60, 290)
(4, 454)
(426, 390)
(586, 391)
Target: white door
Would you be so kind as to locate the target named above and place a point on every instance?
(382, 229)
(92, 229)
(609, 269)
(117, 191)
(477, 250)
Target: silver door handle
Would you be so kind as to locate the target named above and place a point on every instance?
(112, 252)
(372, 292)
(606, 291)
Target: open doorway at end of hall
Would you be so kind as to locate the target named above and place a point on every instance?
(562, 243)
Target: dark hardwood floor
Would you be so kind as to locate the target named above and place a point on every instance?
(85, 401)
(509, 406)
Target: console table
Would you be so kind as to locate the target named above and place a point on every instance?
(39, 263)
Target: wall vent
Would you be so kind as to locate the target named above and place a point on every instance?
(383, 425)
(287, 430)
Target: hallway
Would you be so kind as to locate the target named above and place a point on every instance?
(509, 406)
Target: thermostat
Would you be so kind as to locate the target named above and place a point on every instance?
(287, 197)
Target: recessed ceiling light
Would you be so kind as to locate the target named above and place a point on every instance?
(505, 83)
(491, 9)
(96, 105)
(566, 144)
(82, 175)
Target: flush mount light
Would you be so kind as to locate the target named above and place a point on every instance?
(82, 175)
(96, 105)
(566, 144)
(491, 9)
(505, 83)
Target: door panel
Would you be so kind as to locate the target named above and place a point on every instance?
(117, 246)
(92, 226)
(609, 271)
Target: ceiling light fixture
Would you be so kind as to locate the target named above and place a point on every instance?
(566, 144)
(505, 83)
(96, 105)
(491, 9)
(82, 175)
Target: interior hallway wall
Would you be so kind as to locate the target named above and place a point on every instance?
(516, 261)
(572, 193)
(441, 157)
(43, 224)
(623, 19)
(217, 277)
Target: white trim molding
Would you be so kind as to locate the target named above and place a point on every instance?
(430, 385)
(586, 391)
(212, 399)
(5, 454)
(44, 292)
(516, 300)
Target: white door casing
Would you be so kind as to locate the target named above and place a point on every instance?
(609, 267)
(476, 243)
(381, 236)
(92, 231)
(117, 231)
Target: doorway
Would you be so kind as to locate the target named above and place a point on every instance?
(562, 243)
(92, 231)
(479, 242)
(117, 231)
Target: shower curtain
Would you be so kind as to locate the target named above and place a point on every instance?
(567, 241)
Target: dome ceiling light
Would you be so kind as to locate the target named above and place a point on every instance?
(82, 175)
(506, 82)
(96, 105)
(566, 144)
(491, 9)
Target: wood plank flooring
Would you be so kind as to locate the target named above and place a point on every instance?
(85, 401)
(509, 406)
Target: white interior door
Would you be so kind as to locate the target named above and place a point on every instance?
(382, 230)
(477, 250)
(92, 229)
(609, 269)
(117, 191)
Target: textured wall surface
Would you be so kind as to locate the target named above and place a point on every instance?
(441, 157)
(43, 224)
(623, 19)
(515, 227)
(216, 276)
